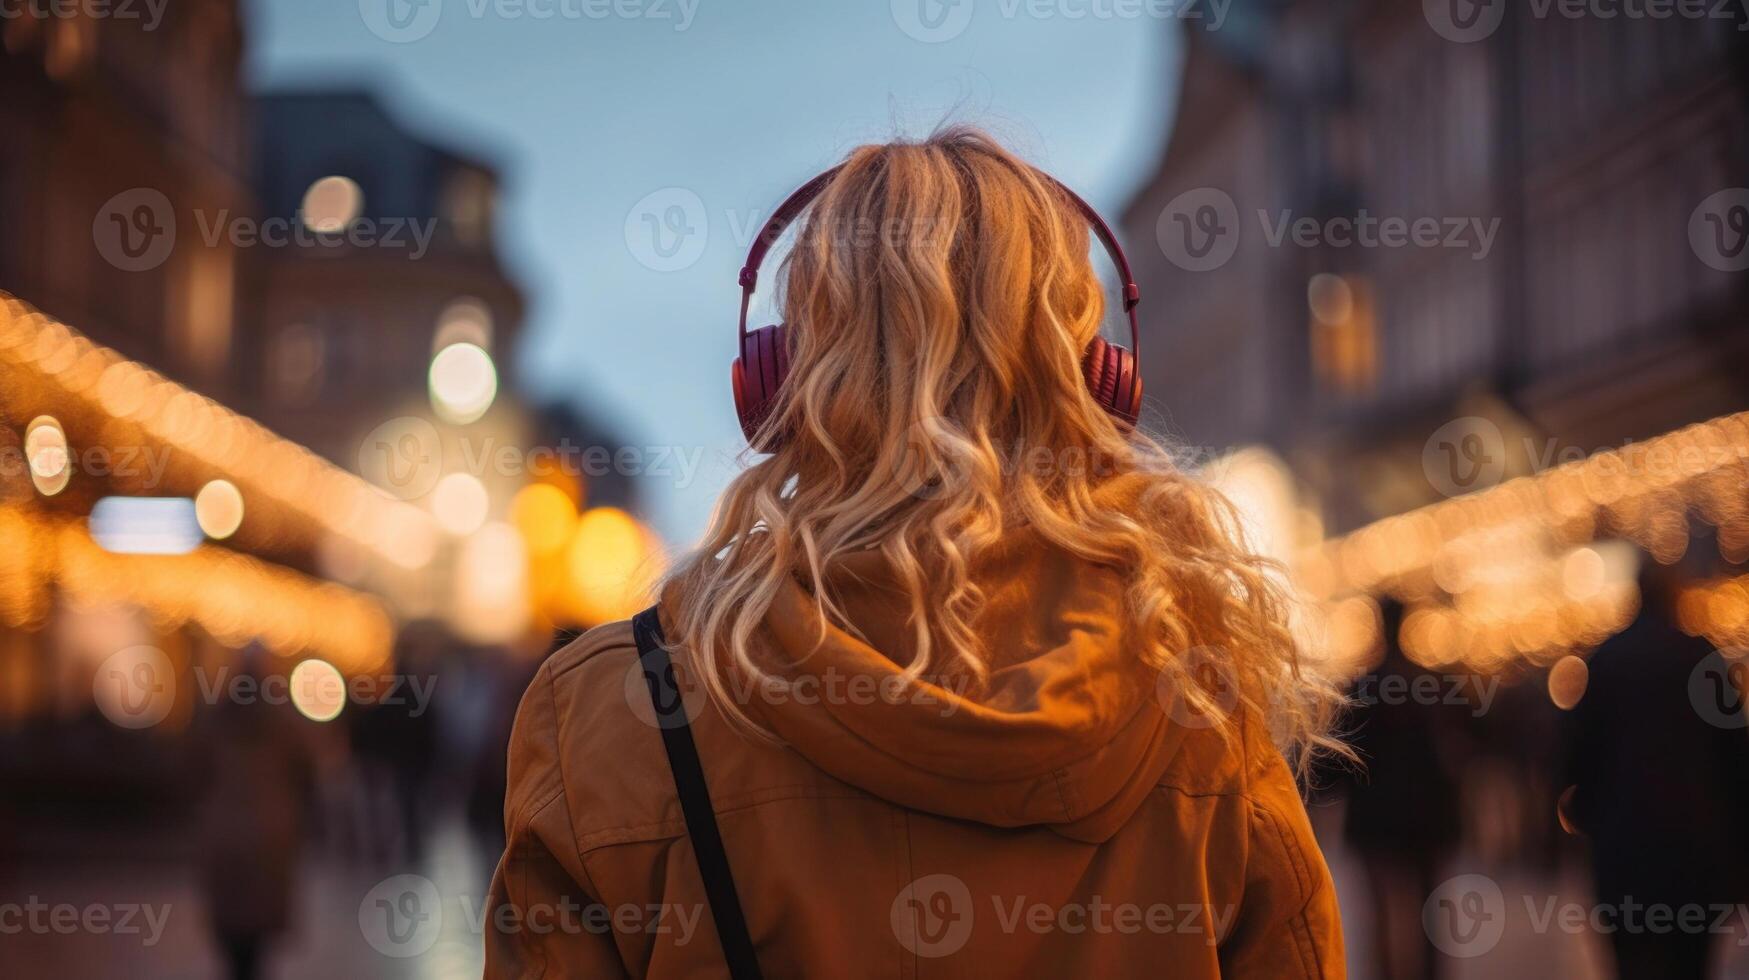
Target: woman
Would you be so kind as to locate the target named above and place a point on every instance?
(984, 686)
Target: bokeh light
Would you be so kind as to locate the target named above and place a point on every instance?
(219, 509)
(460, 503)
(545, 517)
(611, 566)
(318, 690)
(50, 460)
(463, 383)
(332, 204)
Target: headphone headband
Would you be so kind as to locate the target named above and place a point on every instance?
(804, 195)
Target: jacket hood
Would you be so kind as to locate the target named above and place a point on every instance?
(1067, 732)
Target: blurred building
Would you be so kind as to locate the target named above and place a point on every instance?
(116, 249)
(393, 257)
(1565, 157)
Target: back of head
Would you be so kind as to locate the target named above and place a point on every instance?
(939, 300)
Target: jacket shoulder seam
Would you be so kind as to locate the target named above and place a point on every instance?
(599, 640)
(675, 826)
(1305, 945)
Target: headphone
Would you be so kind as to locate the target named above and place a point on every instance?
(1112, 372)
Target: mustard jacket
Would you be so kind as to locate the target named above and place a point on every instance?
(1060, 820)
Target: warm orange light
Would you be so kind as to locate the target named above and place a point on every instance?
(460, 503)
(1568, 679)
(611, 566)
(317, 690)
(45, 449)
(218, 507)
(332, 204)
(545, 517)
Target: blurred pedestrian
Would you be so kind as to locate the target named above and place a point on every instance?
(1660, 787)
(262, 780)
(1404, 815)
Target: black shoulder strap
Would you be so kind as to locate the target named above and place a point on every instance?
(695, 797)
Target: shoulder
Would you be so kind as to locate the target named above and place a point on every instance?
(1238, 761)
(587, 734)
(578, 739)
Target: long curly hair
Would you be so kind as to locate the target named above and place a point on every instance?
(940, 297)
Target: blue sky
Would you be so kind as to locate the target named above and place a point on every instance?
(642, 141)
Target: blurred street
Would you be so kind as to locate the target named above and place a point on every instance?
(351, 363)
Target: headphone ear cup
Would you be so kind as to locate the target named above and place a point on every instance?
(1113, 380)
(757, 376)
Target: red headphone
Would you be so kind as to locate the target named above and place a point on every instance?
(1112, 372)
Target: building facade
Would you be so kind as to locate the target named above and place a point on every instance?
(1563, 174)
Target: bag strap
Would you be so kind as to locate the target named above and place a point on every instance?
(695, 797)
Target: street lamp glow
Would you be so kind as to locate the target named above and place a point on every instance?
(45, 449)
(545, 516)
(463, 383)
(219, 509)
(317, 690)
(460, 502)
(332, 204)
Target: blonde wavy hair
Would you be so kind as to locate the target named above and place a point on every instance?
(940, 297)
